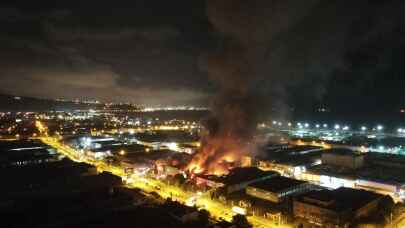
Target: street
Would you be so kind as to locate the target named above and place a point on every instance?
(216, 209)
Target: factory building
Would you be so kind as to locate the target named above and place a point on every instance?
(335, 208)
(375, 172)
(343, 158)
(239, 178)
(25, 153)
(289, 160)
(277, 189)
(270, 198)
(209, 181)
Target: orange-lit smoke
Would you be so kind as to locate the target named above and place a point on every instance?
(218, 155)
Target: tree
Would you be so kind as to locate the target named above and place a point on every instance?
(240, 221)
(385, 208)
(203, 217)
(200, 221)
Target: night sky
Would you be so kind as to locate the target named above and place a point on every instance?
(338, 54)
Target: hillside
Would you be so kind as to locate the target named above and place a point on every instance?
(9, 103)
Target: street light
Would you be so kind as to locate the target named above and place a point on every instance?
(337, 127)
(363, 128)
(380, 128)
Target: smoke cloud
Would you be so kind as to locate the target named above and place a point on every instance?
(247, 29)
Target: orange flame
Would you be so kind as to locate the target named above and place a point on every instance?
(217, 156)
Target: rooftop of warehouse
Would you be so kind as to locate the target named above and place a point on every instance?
(341, 151)
(277, 184)
(341, 199)
(244, 174)
(370, 172)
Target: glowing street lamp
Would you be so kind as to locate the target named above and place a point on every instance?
(364, 128)
(325, 125)
(317, 126)
(337, 127)
(306, 125)
(380, 128)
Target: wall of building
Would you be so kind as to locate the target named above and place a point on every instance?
(349, 160)
(284, 170)
(314, 214)
(336, 182)
(262, 194)
(376, 186)
(277, 197)
(311, 177)
(367, 209)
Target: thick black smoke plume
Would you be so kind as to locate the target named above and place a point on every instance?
(247, 28)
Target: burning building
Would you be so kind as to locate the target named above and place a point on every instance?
(218, 155)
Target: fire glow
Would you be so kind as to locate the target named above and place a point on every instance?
(217, 156)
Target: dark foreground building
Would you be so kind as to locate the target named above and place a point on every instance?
(336, 208)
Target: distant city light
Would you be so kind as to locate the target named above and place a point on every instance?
(325, 125)
(337, 126)
(379, 127)
(317, 126)
(306, 125)
(345, 128)
(400, 130)
(363, 128)
(289, 124)
(274, 122)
